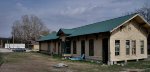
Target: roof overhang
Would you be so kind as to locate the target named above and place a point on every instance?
(60, 32)
(143, 22)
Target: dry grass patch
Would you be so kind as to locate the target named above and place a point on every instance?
(36, 62)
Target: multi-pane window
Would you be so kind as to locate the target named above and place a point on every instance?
(133, 47)
(74, 47)
(117, 47)
(67, 46)
(142, 46)
(127, 47)
(91, 47)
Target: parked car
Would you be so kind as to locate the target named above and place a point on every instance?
(19, 50)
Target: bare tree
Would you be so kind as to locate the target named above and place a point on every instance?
(145, 12)
(29, 28)
(17, 31)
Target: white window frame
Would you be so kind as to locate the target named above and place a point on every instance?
(128, 47)
(142, 46)
(133, 47)
(117, 50)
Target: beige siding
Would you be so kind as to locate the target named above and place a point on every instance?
(132, 31)
(52, 47)
(58, 47)
(49, 44)
(35, 47)
(97, 47)
(44, 46)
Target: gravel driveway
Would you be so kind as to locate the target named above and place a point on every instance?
(5, 50)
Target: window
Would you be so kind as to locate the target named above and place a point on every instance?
(91, 47)
(127, 47)
(82, 47)
(142, 46)
(117, 47)
(133, 47)
(68, 46)
(74, 47)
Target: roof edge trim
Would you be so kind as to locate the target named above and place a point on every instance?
(124, 22)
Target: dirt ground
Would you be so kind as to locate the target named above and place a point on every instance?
(36, 62)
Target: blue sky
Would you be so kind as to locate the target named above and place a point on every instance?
(64, 13)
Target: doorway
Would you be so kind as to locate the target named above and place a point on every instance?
(105, 50)
(82, 47)
(68, 47)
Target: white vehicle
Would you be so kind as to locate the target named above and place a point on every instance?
(14, 46)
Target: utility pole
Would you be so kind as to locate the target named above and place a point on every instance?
(13, 40)
(1, 43)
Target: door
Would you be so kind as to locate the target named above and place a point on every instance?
(105, 50)
(68, 47)
(82, 47)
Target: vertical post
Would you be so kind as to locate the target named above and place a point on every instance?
(39, 46)
(62, 47)
(63, 39)
(1, 43)
(7, 41)
(7, 44)
(13, 40)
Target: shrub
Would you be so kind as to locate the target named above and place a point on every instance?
(57, 56)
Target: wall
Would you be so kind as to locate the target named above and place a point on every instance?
(35, 47)
(44, 46)
(131, 31)
(97, 46)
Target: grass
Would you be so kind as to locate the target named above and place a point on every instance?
(55, 56)
(1, 59)
(59, 57)
(139, 65)
(44, 63)
(112, 68)
(14, 57)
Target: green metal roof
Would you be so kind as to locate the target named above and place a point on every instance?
(104, 26)
(48, 37)
(68, 31)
